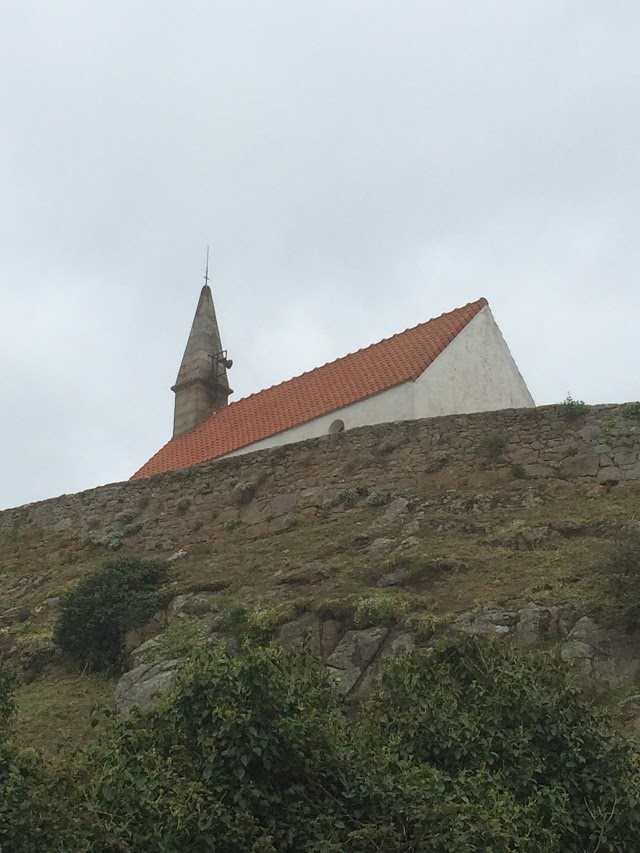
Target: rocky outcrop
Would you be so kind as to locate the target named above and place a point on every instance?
(145, 684)
(597, 661)
(353, 655)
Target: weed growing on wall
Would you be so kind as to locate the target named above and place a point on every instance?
(570, 409)
(183, 504)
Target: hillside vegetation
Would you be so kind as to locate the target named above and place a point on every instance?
(451, 553)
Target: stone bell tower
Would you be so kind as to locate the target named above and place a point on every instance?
(202, 387)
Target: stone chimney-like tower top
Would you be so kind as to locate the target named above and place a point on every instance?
(202, 387)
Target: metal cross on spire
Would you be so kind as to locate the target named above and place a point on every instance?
(206, 271)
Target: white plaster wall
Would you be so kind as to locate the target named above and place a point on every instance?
(475, 373)
(395, 404)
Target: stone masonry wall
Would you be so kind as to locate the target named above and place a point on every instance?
(599, 449)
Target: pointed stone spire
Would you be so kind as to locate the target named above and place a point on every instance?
(202, 387)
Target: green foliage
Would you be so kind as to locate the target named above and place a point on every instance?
(180, 638)
(377, 498)
(631, 411)
(378, 609)
(132, 528)
(348, 497)
(469, 746)
(183, 504)
(95, 616)
(111, 540)
(491, 719)
(570, 409)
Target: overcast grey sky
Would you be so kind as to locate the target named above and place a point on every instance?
(357, 166)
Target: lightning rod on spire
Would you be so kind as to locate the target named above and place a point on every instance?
(206, 271)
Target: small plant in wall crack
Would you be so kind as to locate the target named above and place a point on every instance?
(377, 498)
(348, 497)
(183, 504)
(571, 410)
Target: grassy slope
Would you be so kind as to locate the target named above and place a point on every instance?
(464, 553)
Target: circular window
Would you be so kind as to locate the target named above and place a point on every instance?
(336, 426)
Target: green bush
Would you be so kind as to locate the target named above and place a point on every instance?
(470, 746)
(95, 616)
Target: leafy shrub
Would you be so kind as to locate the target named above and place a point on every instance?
(570, 409)
(468, 746)
(503, 725)
(95, 616)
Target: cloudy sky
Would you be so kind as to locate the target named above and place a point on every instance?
(358, 166)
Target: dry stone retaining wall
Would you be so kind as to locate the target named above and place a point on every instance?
(269, 490)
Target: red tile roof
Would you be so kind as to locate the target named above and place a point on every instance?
(393, 361)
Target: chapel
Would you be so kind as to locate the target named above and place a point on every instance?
(456, 363)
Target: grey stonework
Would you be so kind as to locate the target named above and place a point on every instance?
(202, 387)
(170, 512)
(598, 661)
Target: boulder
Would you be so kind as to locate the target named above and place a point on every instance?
(395, 510)
(145, 684)
(487, 621)
(194, 604)
(149, 652)
(352, 655)
(597, 663)
(585, 465)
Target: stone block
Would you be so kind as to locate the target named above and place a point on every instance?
(609, 475)
(584, 465)
(282, 505)
(523, 456)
